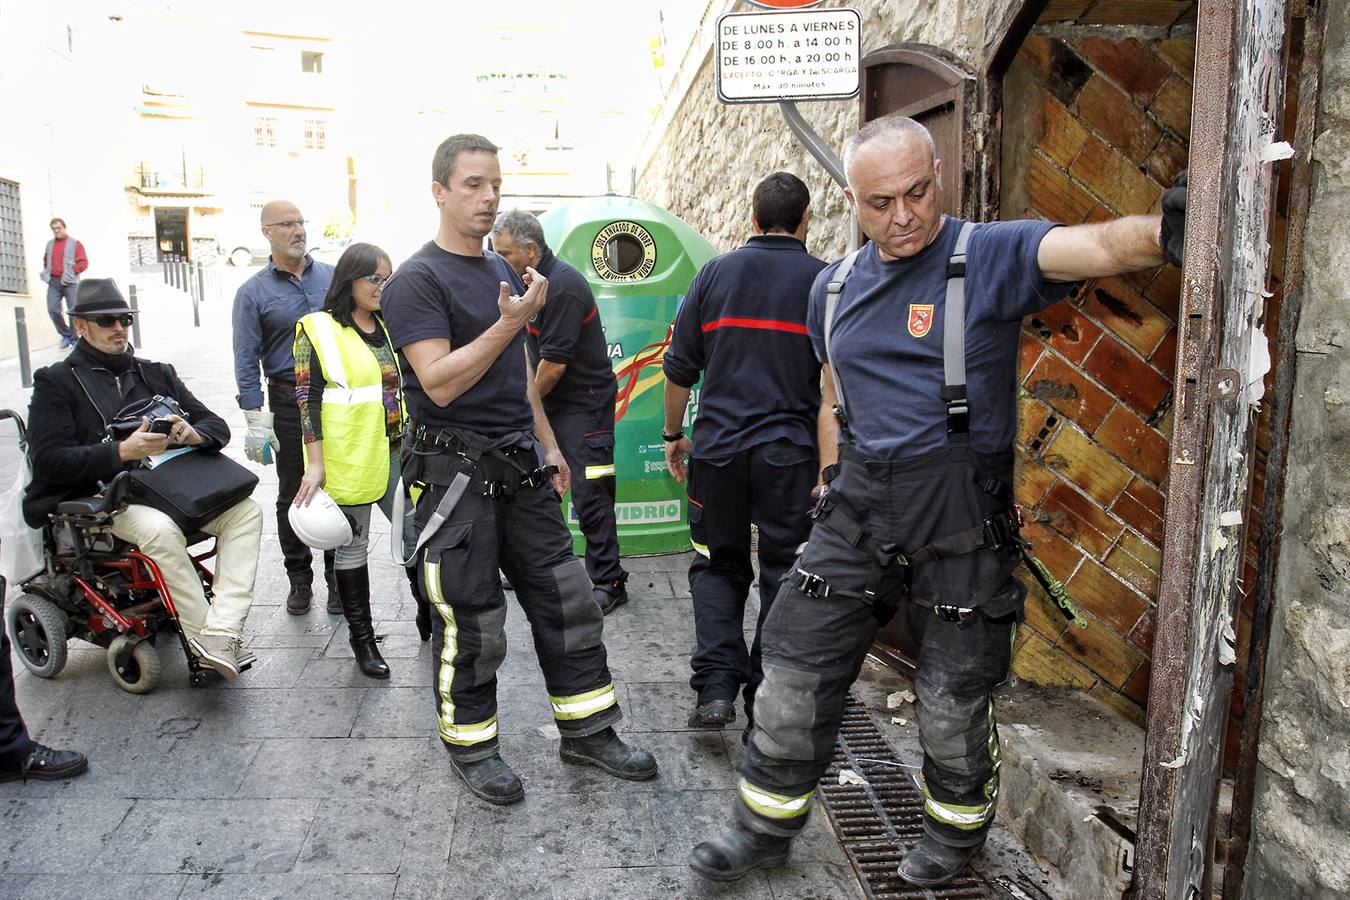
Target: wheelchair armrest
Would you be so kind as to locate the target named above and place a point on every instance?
(83, 507)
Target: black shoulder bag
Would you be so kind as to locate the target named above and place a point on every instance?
(192, 486)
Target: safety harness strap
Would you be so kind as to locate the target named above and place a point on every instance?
(833, 290)
(458, 485)
(954, 341)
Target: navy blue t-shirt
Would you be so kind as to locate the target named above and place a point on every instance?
(887, 337)
(743, 325)
(568, 331)
(438, 294)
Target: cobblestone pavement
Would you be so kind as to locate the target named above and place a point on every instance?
(305, 779)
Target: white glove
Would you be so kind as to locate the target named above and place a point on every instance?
(260, 444)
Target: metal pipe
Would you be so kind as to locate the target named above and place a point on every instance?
(201, 282)
(136, 316)
(813, 142)
(21, 334)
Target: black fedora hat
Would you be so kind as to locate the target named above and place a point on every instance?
(99, 297)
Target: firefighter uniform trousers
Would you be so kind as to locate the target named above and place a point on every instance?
(768, 485)
(504, 522)
(586, 439)
(827, 615)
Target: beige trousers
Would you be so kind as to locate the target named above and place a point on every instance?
(238, 532)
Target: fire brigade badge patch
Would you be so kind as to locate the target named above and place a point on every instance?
(920, 318)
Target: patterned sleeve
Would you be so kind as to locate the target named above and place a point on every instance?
(308, 388)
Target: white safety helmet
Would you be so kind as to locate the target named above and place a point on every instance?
(322, 524)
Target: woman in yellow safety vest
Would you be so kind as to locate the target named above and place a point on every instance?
(347, 385)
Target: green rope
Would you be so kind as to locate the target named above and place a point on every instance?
(1057, 591)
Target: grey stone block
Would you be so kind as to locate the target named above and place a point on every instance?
(355, 836)
(309, 886)
(796, 881)
(423, 866)
(657, 883)
(108, 886)
(603, 830)
(55, 836)
(278, 668)
(174, 836)
(347, 768)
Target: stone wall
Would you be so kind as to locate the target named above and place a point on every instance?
(1302, 812)
(743, 143)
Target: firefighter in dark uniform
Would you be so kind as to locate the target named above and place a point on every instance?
(753, 455)
(577, 384)
(484, 465)
(917, 516)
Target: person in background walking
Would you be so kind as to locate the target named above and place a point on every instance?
(63, 262)
(347, 387)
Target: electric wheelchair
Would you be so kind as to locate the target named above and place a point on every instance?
(102, 590)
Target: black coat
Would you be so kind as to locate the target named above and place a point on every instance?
(66, 431)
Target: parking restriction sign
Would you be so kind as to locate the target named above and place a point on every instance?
(798, 55)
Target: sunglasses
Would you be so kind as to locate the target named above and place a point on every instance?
(375, 280)
(109, 321)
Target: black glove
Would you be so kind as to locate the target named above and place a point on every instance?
(423, 607)
(1173, 235)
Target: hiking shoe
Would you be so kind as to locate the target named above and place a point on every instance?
(219, 651)
(605, 751)
(299, 598)
(610, 595)
(931, 864)
(490, 779)
(715, 713)
(47, 764)
(731, 856)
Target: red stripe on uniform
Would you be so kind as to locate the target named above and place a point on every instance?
(763, 324)
(590, 315)
(532, 330)
(695, 502)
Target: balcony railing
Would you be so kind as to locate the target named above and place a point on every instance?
(173, 181)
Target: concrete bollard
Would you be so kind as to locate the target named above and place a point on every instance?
(135, 318)
(21, 332)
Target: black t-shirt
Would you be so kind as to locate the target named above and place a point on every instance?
(438, 294)
(568, 330)
(887, 337)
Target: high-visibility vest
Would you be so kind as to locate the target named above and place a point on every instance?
(352, 413)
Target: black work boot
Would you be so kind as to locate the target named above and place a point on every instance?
(731, 856)
(354, 591)
(930, 864)
(611, 595)
(299, 598)
(334, 604)
(605, 751)
(715, 712)
(490, 779)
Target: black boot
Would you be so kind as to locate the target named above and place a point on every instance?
(490, 779)
(334, 604)
(731, 856)
(930, 864)
(605, 751)
(611, 595)
(423, 607)
(354, 590)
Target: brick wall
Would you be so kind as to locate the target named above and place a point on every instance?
(1096, 126)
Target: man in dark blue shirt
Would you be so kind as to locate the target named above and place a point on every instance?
(753, 455)
(577, 384)
(266, 308)
(916, 515)
(473, 452)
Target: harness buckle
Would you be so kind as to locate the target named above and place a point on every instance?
(539, 477)
(958, 417)
(812, 585)
(494, 489)
(838, 410)
(957, 615)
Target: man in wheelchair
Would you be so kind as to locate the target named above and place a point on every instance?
(72, 452)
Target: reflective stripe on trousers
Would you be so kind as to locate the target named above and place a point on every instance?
(460, 734)
(774, 806)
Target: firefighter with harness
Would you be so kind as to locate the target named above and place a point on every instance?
(483, 462)
(919, 333)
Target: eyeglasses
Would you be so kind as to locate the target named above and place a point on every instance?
(375, 280)
(288, 224)
(109, 321)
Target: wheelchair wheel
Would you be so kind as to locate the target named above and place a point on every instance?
(38, 631)
(140, 674)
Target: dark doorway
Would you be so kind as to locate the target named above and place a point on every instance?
(171, 233)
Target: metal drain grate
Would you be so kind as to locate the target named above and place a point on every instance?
(876, 822)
